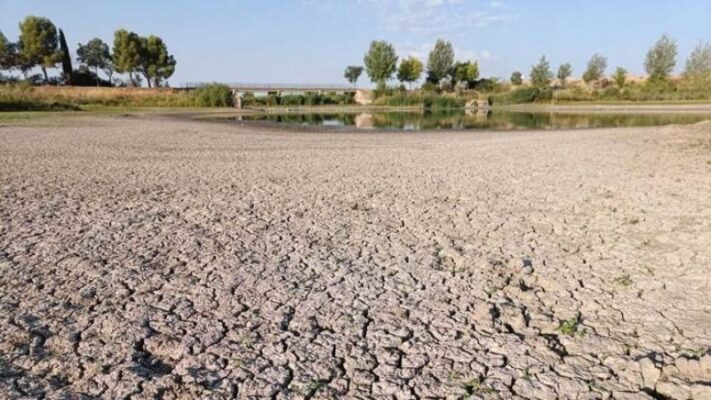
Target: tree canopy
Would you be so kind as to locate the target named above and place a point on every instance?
(155, 63)
(67, 71)
(661, 59)
(38, 43)
(380, 61)
(699, 62)
(516, 78)
(4, 46)
(596, 68)
(440, 61)
(410, 70)
(467, 72)
(620, 77)
(564, 72)
(352, 73)
(95, 54)
(541, 75)
(127, 52)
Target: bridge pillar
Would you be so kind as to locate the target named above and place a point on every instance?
(237, 99)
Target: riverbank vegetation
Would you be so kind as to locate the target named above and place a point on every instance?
(25, 97)
(455, 82)
(293, 100)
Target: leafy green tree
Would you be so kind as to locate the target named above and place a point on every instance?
(380, 62)
(67, 70)
(156, 64)
(352, 73)
(661, 59)
(596, 68)
(4, 46)
(440, 61)
(38, 43)
(95, 54)
(127, 53)
(564, 72)
(516, 78)
(4, 53)
(541, 74)
(698, 65)
(620, 77)
(410, 70)
(467, 72)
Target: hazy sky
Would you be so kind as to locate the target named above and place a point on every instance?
(311, 41)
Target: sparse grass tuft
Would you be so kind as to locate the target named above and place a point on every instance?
(570, 327)
(476, 386)
(624, 280)
(312, 387)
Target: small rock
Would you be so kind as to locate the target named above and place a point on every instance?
(672, 390)
(650, 373)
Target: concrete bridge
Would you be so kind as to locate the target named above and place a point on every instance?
(265, 89)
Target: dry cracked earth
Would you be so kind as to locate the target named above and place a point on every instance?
(145, 258)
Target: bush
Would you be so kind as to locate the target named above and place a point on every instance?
(427, 101)
(430, 87)
(293, 100)
(214, 95)
(522, 95)
(382, 91)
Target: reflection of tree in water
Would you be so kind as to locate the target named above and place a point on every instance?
(491, 120)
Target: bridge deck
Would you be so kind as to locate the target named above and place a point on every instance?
(279, 87)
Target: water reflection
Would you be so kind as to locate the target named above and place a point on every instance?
(484, 120)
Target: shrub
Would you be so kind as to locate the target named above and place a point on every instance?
(522, 95)
(214, 95)
(427, 101)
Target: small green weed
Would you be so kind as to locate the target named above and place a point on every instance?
(570, 327)
(624, 280)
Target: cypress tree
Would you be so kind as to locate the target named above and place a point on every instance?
(66, 59)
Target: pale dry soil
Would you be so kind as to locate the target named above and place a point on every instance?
(149, 258)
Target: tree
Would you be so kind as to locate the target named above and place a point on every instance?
(564, 72)
(38, 43)
(467, 72)
(516, 78)
(155, 63)
(620, 77)
(4, 46)
(440, 61)
(541, 75)
(380, 61)
(7, 53)
(66, 59)
(698, 65)
(353, 73)
(596, 68)
(126, 53)
(410, 70)
(661, 59)
(95, 54)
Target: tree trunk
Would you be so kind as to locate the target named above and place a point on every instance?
(148, 80)
(46, 79)
(96, 69)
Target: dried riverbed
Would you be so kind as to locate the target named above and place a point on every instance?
(149, 258)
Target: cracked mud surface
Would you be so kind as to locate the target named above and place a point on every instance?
(145, 259)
